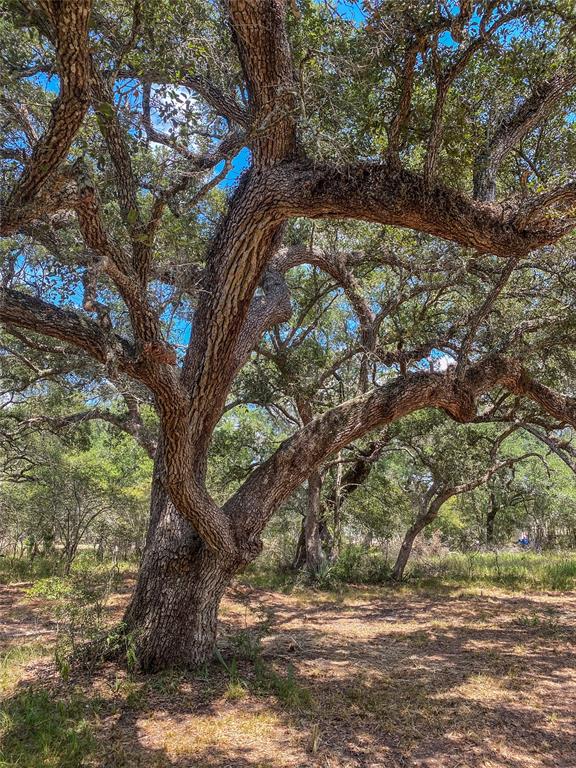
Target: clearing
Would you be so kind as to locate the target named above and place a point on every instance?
(456, 679)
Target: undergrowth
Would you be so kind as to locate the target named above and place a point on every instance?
(18, 569)
(554, 571)
(36, 730)
(249, 673)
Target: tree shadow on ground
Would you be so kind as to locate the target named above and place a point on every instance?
(400, 681)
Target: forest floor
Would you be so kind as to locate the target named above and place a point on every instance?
(458, 679)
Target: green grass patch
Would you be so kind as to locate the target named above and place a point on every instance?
(14, 660)
(18, 569)
(554, 571)
(37, 731)
(289, 692)
(248, 672)
(512, 570)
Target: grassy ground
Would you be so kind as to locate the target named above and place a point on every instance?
(443, 677)
(512, 570)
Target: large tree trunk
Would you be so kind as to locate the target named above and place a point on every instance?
(174, 610)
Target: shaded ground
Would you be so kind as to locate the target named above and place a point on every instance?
(22, 618)
(385, 678)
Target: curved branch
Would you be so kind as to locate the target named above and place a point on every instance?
(222, 103)
(296, 458)
(560, 448)
(335, 265)
(386, 193)
(264, 312)
(69, 19)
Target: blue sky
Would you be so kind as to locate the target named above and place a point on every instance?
(350, 10)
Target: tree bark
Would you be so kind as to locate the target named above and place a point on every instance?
(314, 554)
(299, 560)
(312, 538)
(194, 547)
(174, 609)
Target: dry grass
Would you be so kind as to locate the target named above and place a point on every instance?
(374, 678)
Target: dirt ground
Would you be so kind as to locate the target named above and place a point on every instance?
(312, 680)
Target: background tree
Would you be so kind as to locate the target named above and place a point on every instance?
(446, 465)
(84, 488)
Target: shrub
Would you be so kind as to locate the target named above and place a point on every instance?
(14, 569)
(77, 605)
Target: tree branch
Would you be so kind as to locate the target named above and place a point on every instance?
(531, 112)
(30, 312)
(289, 466)
(129, 422)
(69, 21)
(222, 103)
(259, 30)
(388, 194)
(265, 311)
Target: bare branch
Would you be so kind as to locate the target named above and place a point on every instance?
(129, 422)
(24, 311)
(477, 317)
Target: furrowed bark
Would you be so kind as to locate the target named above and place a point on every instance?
(259, 29)
(386, 193)
(248, 237)
(174, 609)
(173, 612)
(252, 229)
(69, 20)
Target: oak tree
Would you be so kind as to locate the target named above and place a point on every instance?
(451, 122)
